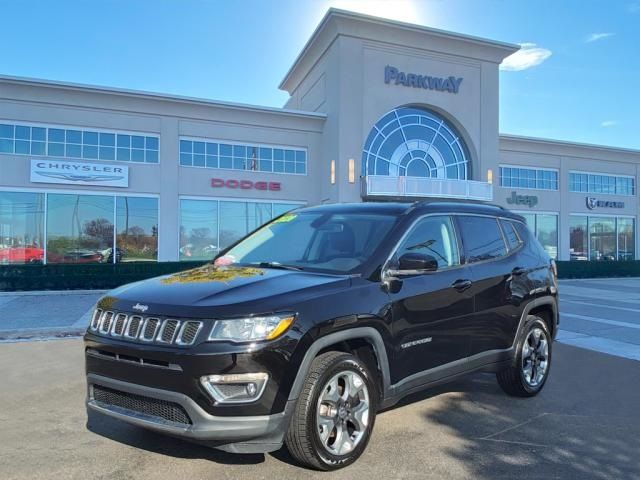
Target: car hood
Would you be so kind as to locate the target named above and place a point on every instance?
(222, 291)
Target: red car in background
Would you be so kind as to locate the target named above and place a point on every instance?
(22, 254)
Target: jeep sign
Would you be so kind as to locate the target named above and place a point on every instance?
(528, 200)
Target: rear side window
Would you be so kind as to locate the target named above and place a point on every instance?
(526, 233)
(482, 238)
(510, 234)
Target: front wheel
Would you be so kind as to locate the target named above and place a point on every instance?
(335, 413)
(530, 369)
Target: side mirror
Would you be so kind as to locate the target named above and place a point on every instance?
(413, 263)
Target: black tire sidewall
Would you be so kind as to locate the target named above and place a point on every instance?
(534, 322)
(343, 363)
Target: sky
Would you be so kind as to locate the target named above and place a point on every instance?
(576, 78)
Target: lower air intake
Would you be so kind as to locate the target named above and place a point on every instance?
(138, 404)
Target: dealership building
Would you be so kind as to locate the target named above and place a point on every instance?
(378, 110)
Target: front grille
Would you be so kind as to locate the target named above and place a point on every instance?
(160, 409)
(133, 329)
(149, 330)
(95, 320)
(105, 322)
(189, 332)
(169, 329)
(118, 326)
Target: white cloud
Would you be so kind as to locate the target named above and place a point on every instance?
(529, 55)
(608, 123)
(594, 37)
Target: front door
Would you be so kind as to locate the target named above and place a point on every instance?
(431, 311)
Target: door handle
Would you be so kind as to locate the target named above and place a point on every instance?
(462, 285)
(518, 271)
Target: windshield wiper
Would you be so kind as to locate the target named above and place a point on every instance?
(277, 265)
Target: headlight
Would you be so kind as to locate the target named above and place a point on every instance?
(251, 329)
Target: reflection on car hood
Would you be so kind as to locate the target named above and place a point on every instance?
(231, 290)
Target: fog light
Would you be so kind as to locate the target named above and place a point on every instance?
(252, 389)
(236, 388)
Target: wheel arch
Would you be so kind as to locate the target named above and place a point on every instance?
(545, 307)
(350, 340)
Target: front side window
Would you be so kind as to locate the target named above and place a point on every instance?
(433, 236)
(314, 241)
(482, 238)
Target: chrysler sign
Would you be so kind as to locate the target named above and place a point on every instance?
(449, 84)
(75, 173)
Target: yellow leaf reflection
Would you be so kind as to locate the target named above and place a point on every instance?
(211, 273)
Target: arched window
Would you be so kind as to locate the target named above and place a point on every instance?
(414, 142)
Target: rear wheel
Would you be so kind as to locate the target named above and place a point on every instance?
(334, 416)
(530, 369)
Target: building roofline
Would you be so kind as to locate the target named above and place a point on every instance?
(337, 12)
(156, 96)
(567, 143)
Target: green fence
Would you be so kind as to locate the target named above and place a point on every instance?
(101, 276)
(80, 277)
(602, 269)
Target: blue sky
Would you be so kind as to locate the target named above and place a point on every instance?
(577, 80)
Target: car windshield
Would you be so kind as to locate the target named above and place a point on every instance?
(314, 241)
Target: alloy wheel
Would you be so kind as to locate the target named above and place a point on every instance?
(535, 357)
(342, 413)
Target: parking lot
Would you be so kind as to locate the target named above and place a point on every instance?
(584, 424)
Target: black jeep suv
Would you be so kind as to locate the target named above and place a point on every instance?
(300, 332)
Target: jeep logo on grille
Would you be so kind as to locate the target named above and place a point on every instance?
(141, 308)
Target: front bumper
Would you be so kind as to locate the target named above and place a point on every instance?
(241, 434)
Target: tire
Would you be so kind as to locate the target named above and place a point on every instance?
(339, 394)
(528, 373)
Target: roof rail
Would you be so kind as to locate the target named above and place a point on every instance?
(428, 201)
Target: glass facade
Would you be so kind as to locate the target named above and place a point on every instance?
(21, 227)
(77, 228)
(78, 143)
(209, 226)
(136, 229)
(545, 227)
(603, 184)
(414, 142)
(259, 158)
(601, 238)
(534, 178)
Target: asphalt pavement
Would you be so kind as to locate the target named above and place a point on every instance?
(584, 425)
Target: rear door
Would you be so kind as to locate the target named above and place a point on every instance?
(430, 310)
(497, 286)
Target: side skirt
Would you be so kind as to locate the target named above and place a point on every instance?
(491, 361)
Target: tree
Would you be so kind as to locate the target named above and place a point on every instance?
(99, 228)
(136, 231)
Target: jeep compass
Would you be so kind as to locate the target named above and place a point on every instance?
(301, 331)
